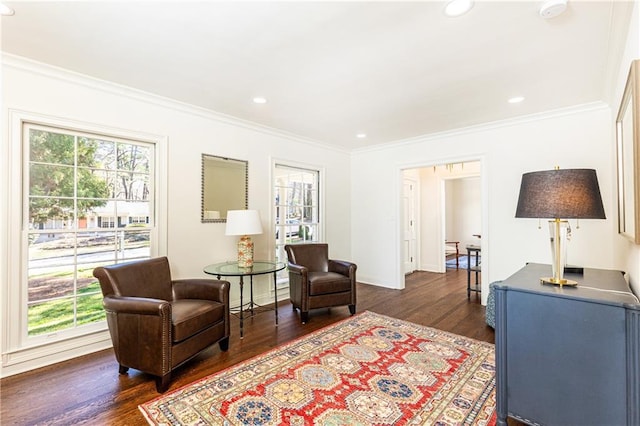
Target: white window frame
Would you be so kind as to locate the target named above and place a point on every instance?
(19, 348)
(283, 277)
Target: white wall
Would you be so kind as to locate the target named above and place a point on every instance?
(189, 132)
(463, 209)
(578, 137)
(626, 252)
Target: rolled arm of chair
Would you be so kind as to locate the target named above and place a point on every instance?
(342, 267)
(298, 276)
(298, 288)
(348, 269)
(137, 324)
(297, 269)
(135, 305)
(202, 288)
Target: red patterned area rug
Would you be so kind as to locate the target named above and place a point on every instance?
(369, 369)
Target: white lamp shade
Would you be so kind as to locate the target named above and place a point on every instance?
(243, 222)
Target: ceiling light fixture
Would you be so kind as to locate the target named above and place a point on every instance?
(552, 8)
(361, 135)
(457, 7)
(259, 100)
(516, 99)
(6, 10)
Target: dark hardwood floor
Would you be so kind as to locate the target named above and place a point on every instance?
(89, 390)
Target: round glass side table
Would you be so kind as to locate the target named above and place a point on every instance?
(260, 267)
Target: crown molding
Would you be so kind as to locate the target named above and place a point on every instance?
(62, 74)
(65, 75)
(576, 109)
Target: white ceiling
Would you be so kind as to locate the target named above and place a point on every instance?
(330, 70)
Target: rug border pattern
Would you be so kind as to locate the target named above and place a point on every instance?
(246, 373)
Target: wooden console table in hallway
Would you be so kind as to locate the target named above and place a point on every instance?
(473, 265)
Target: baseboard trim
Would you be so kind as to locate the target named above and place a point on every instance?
(24, 360)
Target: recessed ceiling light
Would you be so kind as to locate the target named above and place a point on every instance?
(259, 100)
(516, 99)
(6, 10)
(361, 135)
(458, 7)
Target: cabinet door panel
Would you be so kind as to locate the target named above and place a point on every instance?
(566, 360)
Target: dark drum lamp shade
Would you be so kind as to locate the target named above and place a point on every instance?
(560, 194)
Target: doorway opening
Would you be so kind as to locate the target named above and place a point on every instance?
(442, 208)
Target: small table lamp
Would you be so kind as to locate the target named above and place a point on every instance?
(245, 223)
(560, 194)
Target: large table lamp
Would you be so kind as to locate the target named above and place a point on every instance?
(244, 223)
(557, 195)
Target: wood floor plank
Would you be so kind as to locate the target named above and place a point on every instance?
(89, 390)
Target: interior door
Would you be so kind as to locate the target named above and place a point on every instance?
(409, 225)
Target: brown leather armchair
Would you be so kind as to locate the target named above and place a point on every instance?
(157, 323)
(315, 281)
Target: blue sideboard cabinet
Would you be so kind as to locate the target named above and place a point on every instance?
(570, 355)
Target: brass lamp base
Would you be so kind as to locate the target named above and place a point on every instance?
(555, 281)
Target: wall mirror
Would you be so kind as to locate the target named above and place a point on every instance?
(628, 156)
(224, 187)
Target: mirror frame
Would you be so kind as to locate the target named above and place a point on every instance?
(202, 187)
(628, 156)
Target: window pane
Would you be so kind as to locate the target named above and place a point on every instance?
(96, 153)
(306, 233)
(132, 186)
(51, 249)
(51, 213)
(102, 216)
(281, 255)
(50, 282)
(96, 247)
(134, 244)
(51, 180)
(93, 183)
(50, 316)
(90, 309)
(133, 158)
(133, 214)
(309, 214)
(91, 210)
(51, 147)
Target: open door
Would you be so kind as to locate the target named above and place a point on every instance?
(409, 225)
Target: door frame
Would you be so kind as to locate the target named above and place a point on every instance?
(484, 189)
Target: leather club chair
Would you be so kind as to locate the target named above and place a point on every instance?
(157, 323)
(315, 281)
